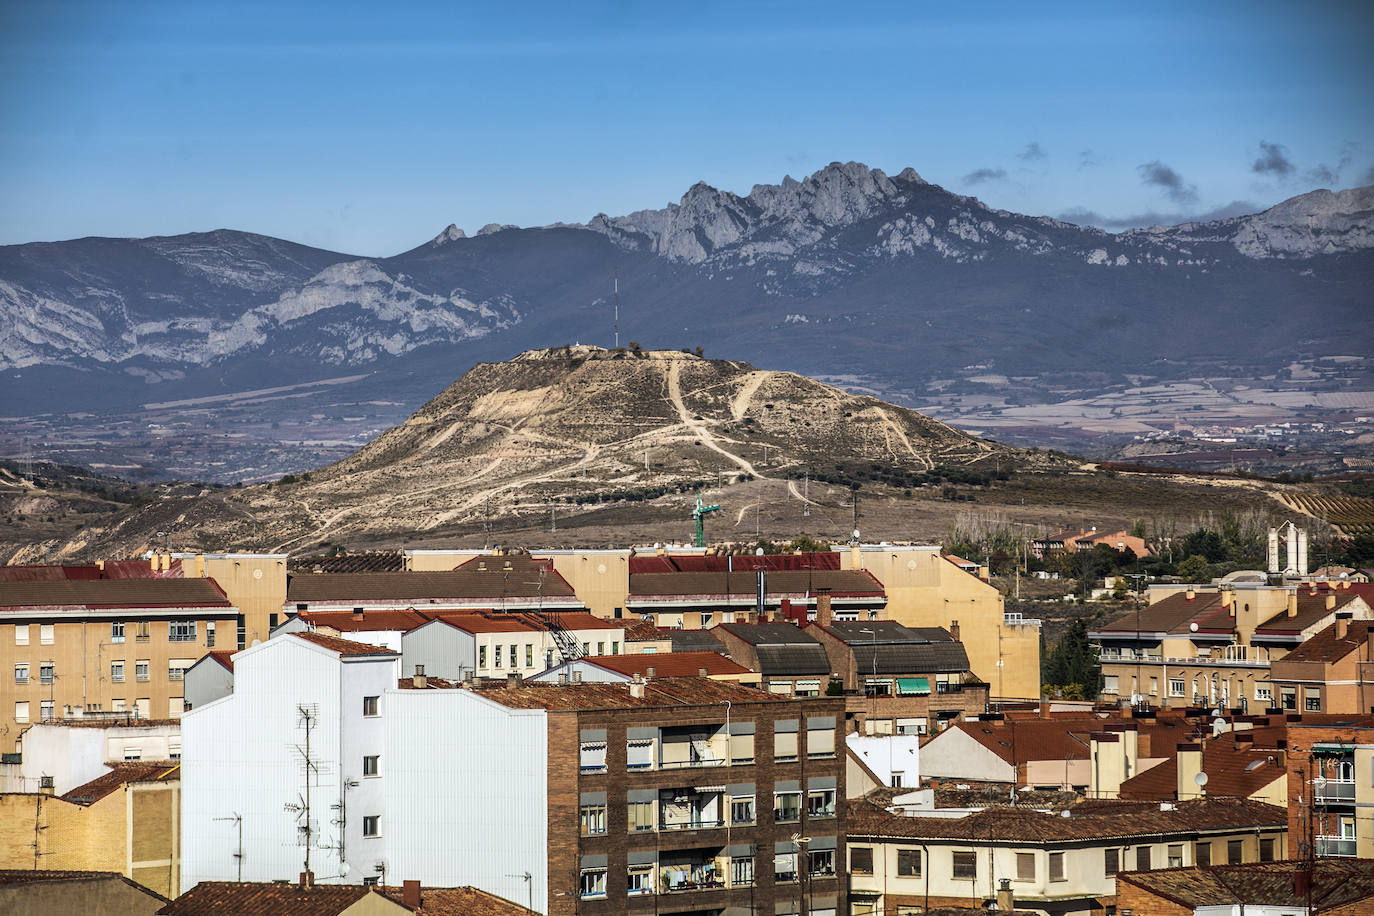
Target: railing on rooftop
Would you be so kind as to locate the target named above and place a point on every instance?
(1017, 619)
(1335, 846)
(1336, 790)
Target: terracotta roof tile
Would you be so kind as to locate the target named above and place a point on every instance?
(121, 775)
(1312, 609)
(669, 664)
(642, 630)
(1335, 883)
(459, 901)
(232, 898)
(660, 692)
(1325, 646)
(1168, 615)
(1232, 771)
(343, 646)
(1123, 820)
(487, 623)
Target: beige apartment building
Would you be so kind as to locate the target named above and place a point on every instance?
(925, 589)
(82, 647)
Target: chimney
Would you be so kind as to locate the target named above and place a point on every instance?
(1006, 899)
(954, 630)
(1189, 766)
(650, 673)
(824, 615)
(357, 613)
(577, 677)
(856, 557)
(1044, 711)
(784, 610)
(1228, 601)
(307, 879)
(513, 679)
(637, 688)
(1293, 603)
(1189, 595)
(1342, 624)
(562, 679)
(410, 895)
(701, 672)
(1331, 601)
(46, 785)
(419, 680)
(1107, 754)
(984, 572)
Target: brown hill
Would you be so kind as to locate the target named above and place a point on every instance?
(569, 426)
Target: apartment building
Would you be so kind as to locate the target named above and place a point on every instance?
(456, 646)
(1214, 647)
(1059, 863)
(925, 589)
(700, 599)
(668, 795)
(1330, 769)
(790, 659)
(1332, 672)
(60, 755)
(79, 647)
(900, 680)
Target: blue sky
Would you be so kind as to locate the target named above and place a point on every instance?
(369, 127)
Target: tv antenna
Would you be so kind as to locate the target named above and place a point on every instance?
(237, 819)
(529, 883)
(306, 829)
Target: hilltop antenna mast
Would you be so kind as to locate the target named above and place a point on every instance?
(617, 308)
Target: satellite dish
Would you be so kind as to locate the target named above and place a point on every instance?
(856, 534)
(257, 642)
(1193, 626)
(1200, 779)
(758, 551)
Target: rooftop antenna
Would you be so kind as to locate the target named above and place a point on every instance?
(308, 717)
(238, 853)
(699, 516)
(617, 308)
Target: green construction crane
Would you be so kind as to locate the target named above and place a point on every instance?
(699, 515)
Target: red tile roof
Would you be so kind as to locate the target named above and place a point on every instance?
(1108, 821)
(121, 775)
(652, 563)
(487, 623)
(1312, 609)
(113, 593)
(1336, 883)
(661, 692)
(225, 657)
(582, 620)
(1233, 771)
(1171, 614)
(669, 664)
(459, 901)
(343, 646)
(1325, 646)
(642, 630)
(232, 898)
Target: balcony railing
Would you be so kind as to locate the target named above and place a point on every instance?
(1335, 846)
(1336, 790)
(695, 823)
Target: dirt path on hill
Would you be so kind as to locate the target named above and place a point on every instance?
(675, 396)
(740, 405)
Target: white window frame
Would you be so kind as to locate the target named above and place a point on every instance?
(47, 634)
(372, 826)
(372, 765)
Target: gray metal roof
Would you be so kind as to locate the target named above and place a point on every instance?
(780, 634)
(910, 658)
(793, 660)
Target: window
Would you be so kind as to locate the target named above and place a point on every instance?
(482, 657)
(1202, 855)
(372, 765)
(141, 669)
(742, 742)
(133, 753)
(593, 756)
(1111, 683)
(706, 620)
(371, 705)
(593, 882)
(640, 880)
(497, 662)
(615, 647)
(21, 711)
(1312, 699)
(141, 633)
(784, 866)
(210, 634)
(514, 655)
(786, 807)
(1056, 866)
(742, 810)
(640, 815)
(45, 634)
(21, 673)
(242, 631)
(965, 865)
(45, 711)
(176, 669)
(372, 880)
(372, 825)
(529, 655)
(820, 803)
(811, 688)
(909, 863)
(821, 862)
(1111, 861)
(117, 672)
(586, 648)
(916, 726)
(861, 860)
(1142, 858)
(21, 634)
(1154, 686)
(1267, 849)
(592, 819)
(639, 754)
(1175, 686)
(820, 736)
(1175, 856)
(896, 780)
(601, 648)
(117, 632)
(1264, 692)
(46, 673)
(741, 870)
(119, 705)
(1288, 698)
(181, 631)
(174, 751)
(1025, 866)
(1235, 852)
(785, 740)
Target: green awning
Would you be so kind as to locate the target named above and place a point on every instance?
(913, 685)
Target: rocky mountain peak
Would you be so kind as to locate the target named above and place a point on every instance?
(451, 234)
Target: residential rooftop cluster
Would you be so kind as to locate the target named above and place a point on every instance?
(859, 730)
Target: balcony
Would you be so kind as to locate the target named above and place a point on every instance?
(680, 747)
(1336, 846)
(1338, 791)
(691, 809)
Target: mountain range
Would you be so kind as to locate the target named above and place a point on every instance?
(882, 283)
